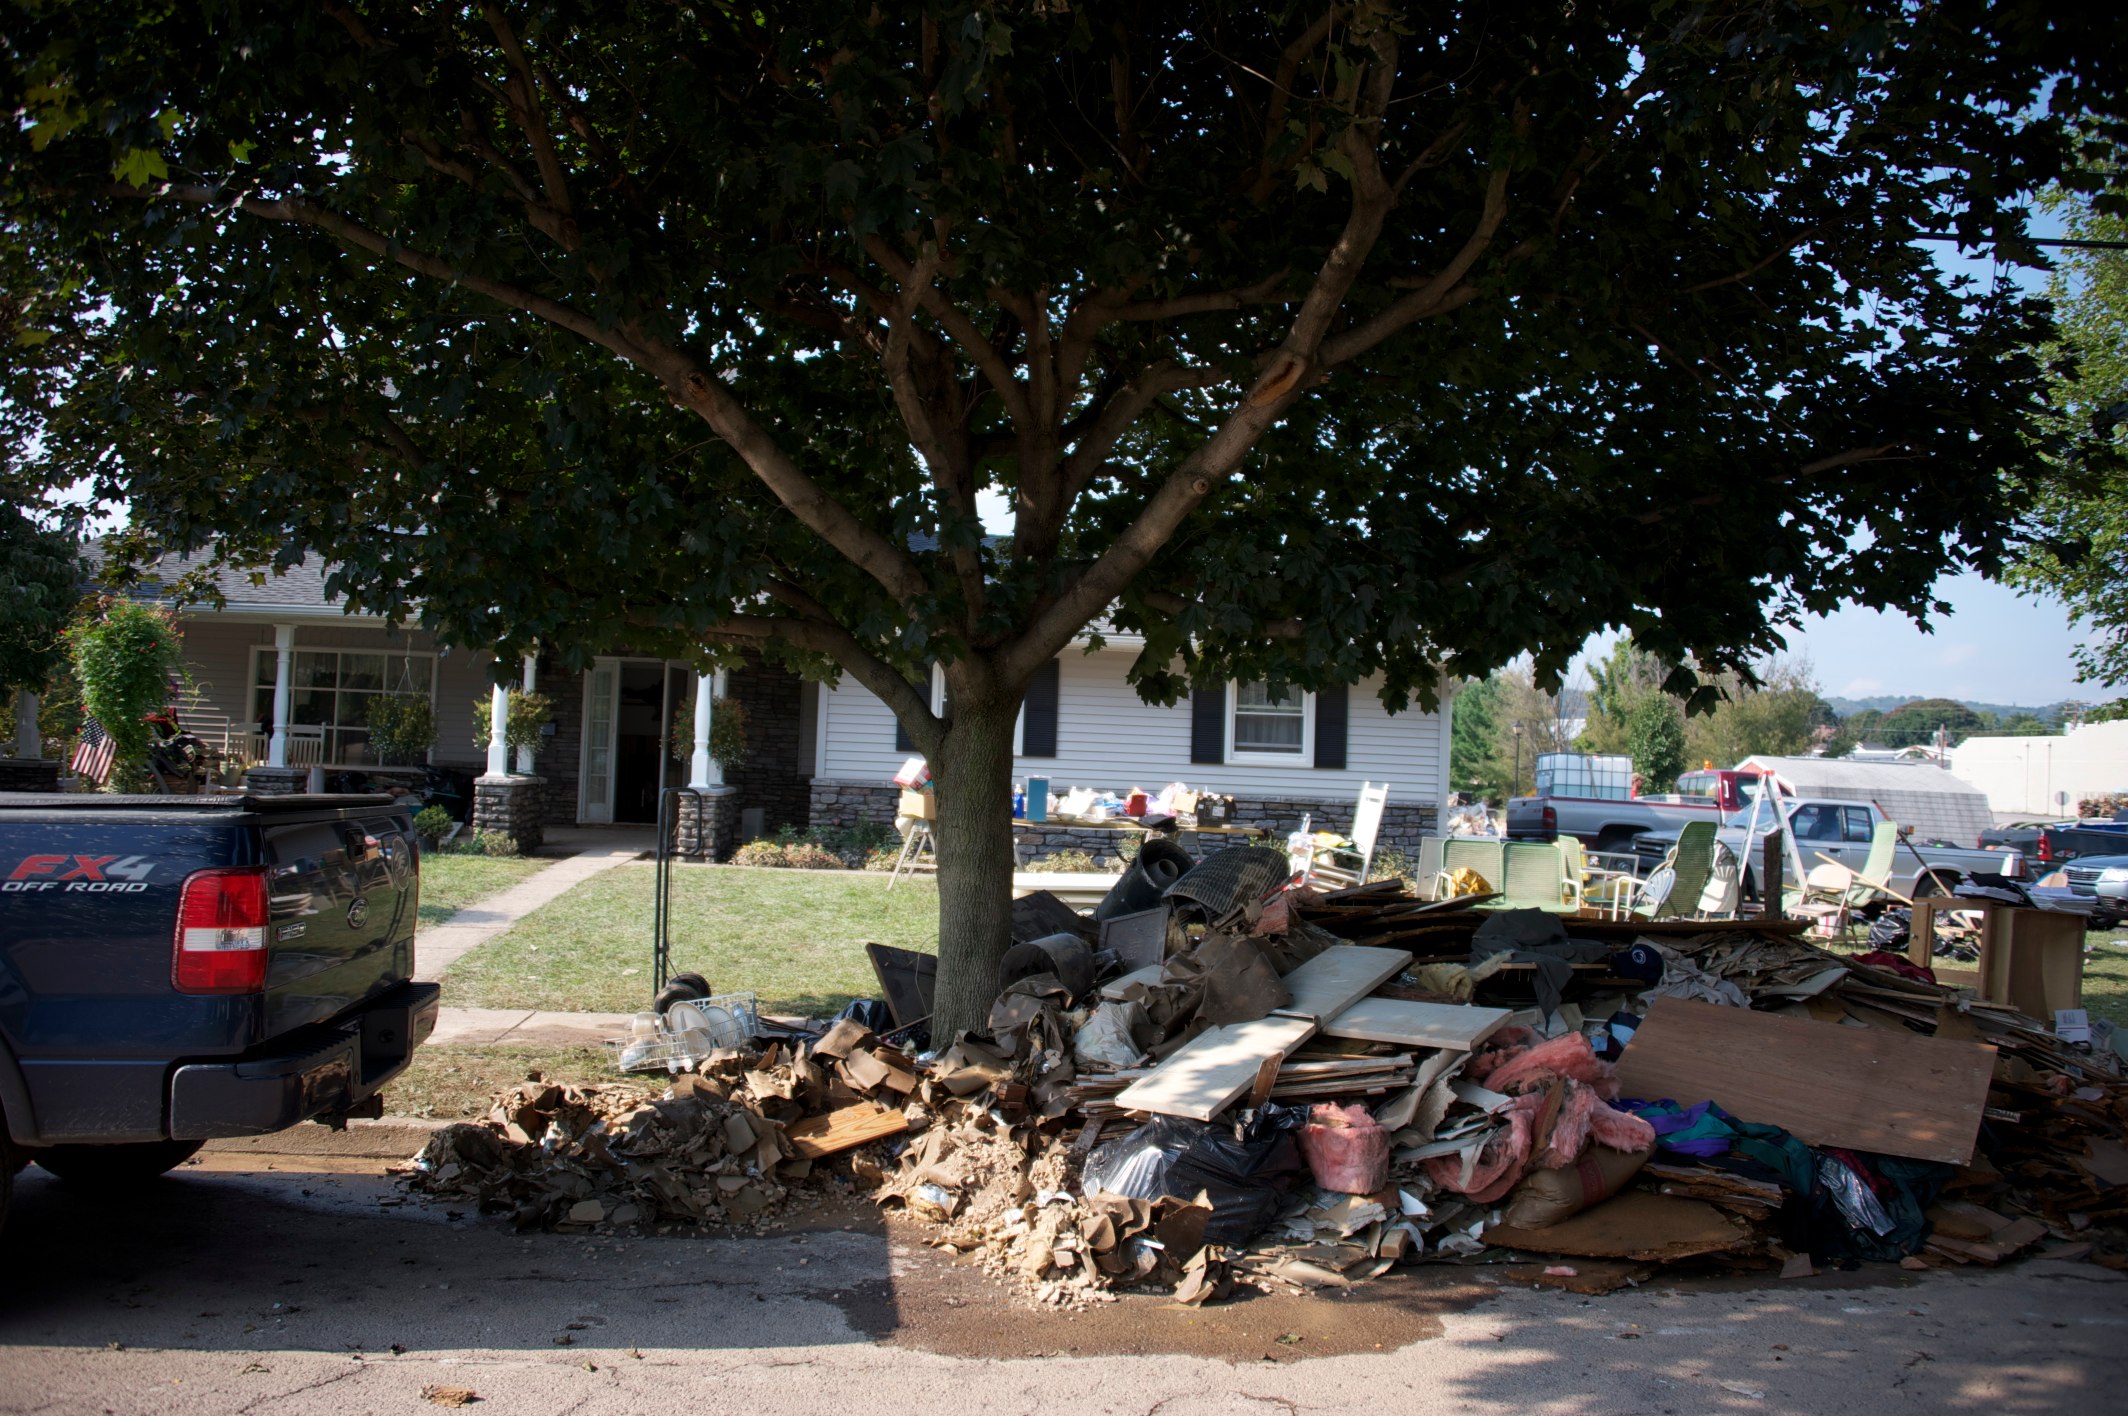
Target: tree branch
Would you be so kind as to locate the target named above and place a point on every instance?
(959, 328)
(1438, 295)
(524, 103)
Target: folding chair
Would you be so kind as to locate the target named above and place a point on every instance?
(1337, 867)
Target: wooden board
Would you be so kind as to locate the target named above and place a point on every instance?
(1633, 1225)
(841, 1130)
(1338, 977)
(1215, 1067)
(1897, 1093)
(1457, 1026)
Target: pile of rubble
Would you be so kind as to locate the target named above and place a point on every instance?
(1218, 1081)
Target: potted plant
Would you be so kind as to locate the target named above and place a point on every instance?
(528, 713)
(431, 824)
(402, 728)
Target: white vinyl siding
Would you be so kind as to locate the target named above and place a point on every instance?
(1109, 737)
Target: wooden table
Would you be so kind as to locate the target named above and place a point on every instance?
(2033, 960)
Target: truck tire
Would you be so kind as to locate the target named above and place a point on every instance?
(1935, 882)
(1614, 841)
(116, 1167)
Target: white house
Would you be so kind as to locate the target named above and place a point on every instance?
(283, 677)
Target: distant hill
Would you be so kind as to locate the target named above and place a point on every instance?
(1884, 703)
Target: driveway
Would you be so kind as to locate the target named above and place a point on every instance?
(255, 1282)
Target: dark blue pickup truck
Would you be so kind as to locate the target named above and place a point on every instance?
(174, 969)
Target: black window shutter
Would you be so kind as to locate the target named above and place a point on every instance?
(1038, 721)
(902, 740)
(1330, 715)
(1208, 724)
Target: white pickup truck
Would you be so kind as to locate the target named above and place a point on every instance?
(1842, 830)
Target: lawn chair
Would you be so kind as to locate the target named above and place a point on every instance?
(1824, 899)
(1538, 876)
(1673, 891)
(1601, 889)
(1487, 858)
(1340, 867)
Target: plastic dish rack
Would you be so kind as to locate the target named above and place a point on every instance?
(732, 1019)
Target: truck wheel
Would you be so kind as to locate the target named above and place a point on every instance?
(1934, 882)
(1614, 842)
(116, 1167)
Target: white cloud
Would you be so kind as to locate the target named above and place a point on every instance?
(1861, 688)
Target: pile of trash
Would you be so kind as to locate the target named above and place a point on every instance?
(1216, 1081)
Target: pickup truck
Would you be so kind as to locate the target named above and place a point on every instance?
(1842, 830)
(174, 969)
(2058, 842)
(1610, 825)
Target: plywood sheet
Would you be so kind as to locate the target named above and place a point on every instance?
(1898, 1093)
(1452, 1025)
(843, 1129)
(1215, 1067)
(1338, 977)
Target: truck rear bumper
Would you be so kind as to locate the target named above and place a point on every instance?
(319, 1072)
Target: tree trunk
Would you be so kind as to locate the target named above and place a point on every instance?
(973, 779)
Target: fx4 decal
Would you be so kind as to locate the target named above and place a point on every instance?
(90, 874)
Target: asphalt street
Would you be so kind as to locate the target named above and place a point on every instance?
(316, 1286)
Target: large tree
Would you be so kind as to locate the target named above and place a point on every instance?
(1311, 342)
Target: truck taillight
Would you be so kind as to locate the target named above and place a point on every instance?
(221, 933)
(1551, 821)
(2046, 850)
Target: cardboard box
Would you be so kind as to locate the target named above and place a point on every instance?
(921, 805)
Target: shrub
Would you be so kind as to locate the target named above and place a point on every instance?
(432, 821)
(496, 843)
(1390, 864)
(810, 857)
(1068, 863)
(758, 853)
(883, 859)
(1127, 850)
(528, 713)
(123, 658)
(402, 727)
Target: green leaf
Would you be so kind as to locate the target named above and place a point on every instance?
(140, 166)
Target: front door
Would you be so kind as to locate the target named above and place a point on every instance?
(602, 715)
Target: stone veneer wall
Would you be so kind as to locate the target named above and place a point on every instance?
(28, 774)
(277, 781)
(769, 778)
(847, 803)
(559, 757)
(515, 808)
(705, 823)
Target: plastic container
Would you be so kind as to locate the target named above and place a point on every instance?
(1038, 798)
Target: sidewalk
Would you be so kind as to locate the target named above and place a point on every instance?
(437, 949)
(524, 1027)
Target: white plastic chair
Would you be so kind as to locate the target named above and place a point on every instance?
(1339, 868)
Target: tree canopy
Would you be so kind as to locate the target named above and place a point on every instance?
(1309, 343)
(40, 584)
(2084, 559)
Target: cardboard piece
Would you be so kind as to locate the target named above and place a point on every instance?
(1457, 1026)
(907, 980)
(1335, 979)
(1213, 1068)
(1862, 1088)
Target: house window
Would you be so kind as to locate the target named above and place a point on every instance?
(330, 690)
(941, 702)
(1272, 727)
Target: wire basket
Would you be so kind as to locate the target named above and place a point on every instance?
(689, 1032)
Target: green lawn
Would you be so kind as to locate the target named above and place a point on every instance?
(790, 936)
(451, 882)
(2106, 976)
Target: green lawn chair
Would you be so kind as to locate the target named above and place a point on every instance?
(1538, 878)
(1688, 865)
(1482, 854)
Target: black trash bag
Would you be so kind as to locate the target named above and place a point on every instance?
(1244, 1171)
(870, 1013)
(1891, 931)
(1159, 864)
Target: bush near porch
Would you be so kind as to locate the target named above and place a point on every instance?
(792, 937)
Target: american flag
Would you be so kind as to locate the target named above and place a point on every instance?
(92, 757)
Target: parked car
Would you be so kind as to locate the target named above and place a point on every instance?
(2100, 882)
(174, 969)
(1842, 830)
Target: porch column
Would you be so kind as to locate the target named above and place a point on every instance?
(498, 735)
(284, 661)
(524, 754)
(29, 738)
(706, 772)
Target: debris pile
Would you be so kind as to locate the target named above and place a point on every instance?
(1218, 1081)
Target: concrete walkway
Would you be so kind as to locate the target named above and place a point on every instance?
(524, 1027)
(595, 852)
